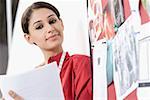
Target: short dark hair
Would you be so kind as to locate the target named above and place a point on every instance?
(27, 14)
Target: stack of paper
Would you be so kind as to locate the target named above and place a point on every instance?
(39, 84)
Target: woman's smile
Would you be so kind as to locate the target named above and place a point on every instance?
(53, 37)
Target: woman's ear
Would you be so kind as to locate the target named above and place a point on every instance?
(62, 24)
(28, 38)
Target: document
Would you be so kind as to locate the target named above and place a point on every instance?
(125, 60)
(39, 84)
(144, 62)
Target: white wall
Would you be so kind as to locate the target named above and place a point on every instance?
(24, 57)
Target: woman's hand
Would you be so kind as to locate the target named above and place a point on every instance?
(41, 65)
(14, 95)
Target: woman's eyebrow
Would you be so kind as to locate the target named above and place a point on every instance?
(37, 22)
(40, 20)
(50, 15)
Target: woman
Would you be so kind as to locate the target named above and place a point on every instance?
(42, 26)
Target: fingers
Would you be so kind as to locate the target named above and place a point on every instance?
(41, 65)
(2, 99)
(14, 95)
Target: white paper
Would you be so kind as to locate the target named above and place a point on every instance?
(143, 93)
(143, 90)
(39, 84)
(99, 70)
(125, 59)
(144, 53)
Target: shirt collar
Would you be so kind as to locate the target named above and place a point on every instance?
(57, 58)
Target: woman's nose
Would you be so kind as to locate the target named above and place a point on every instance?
(50, 28)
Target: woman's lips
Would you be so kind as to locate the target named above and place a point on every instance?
(52, 37)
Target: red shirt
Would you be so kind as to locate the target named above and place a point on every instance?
(76, 76)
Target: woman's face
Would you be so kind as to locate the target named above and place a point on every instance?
(45, 29)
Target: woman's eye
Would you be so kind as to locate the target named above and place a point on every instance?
(39, 27)
(52, 21)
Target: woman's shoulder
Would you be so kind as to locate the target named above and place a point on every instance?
(81, 63)
(79, 57)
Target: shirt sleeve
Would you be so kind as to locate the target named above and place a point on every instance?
(83, 78)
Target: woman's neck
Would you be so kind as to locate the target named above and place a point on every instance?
(50, 53)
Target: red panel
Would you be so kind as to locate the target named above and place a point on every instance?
(112, 94)
(127, 9)
(144, 15)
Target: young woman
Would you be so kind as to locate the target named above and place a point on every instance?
(42, 26)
